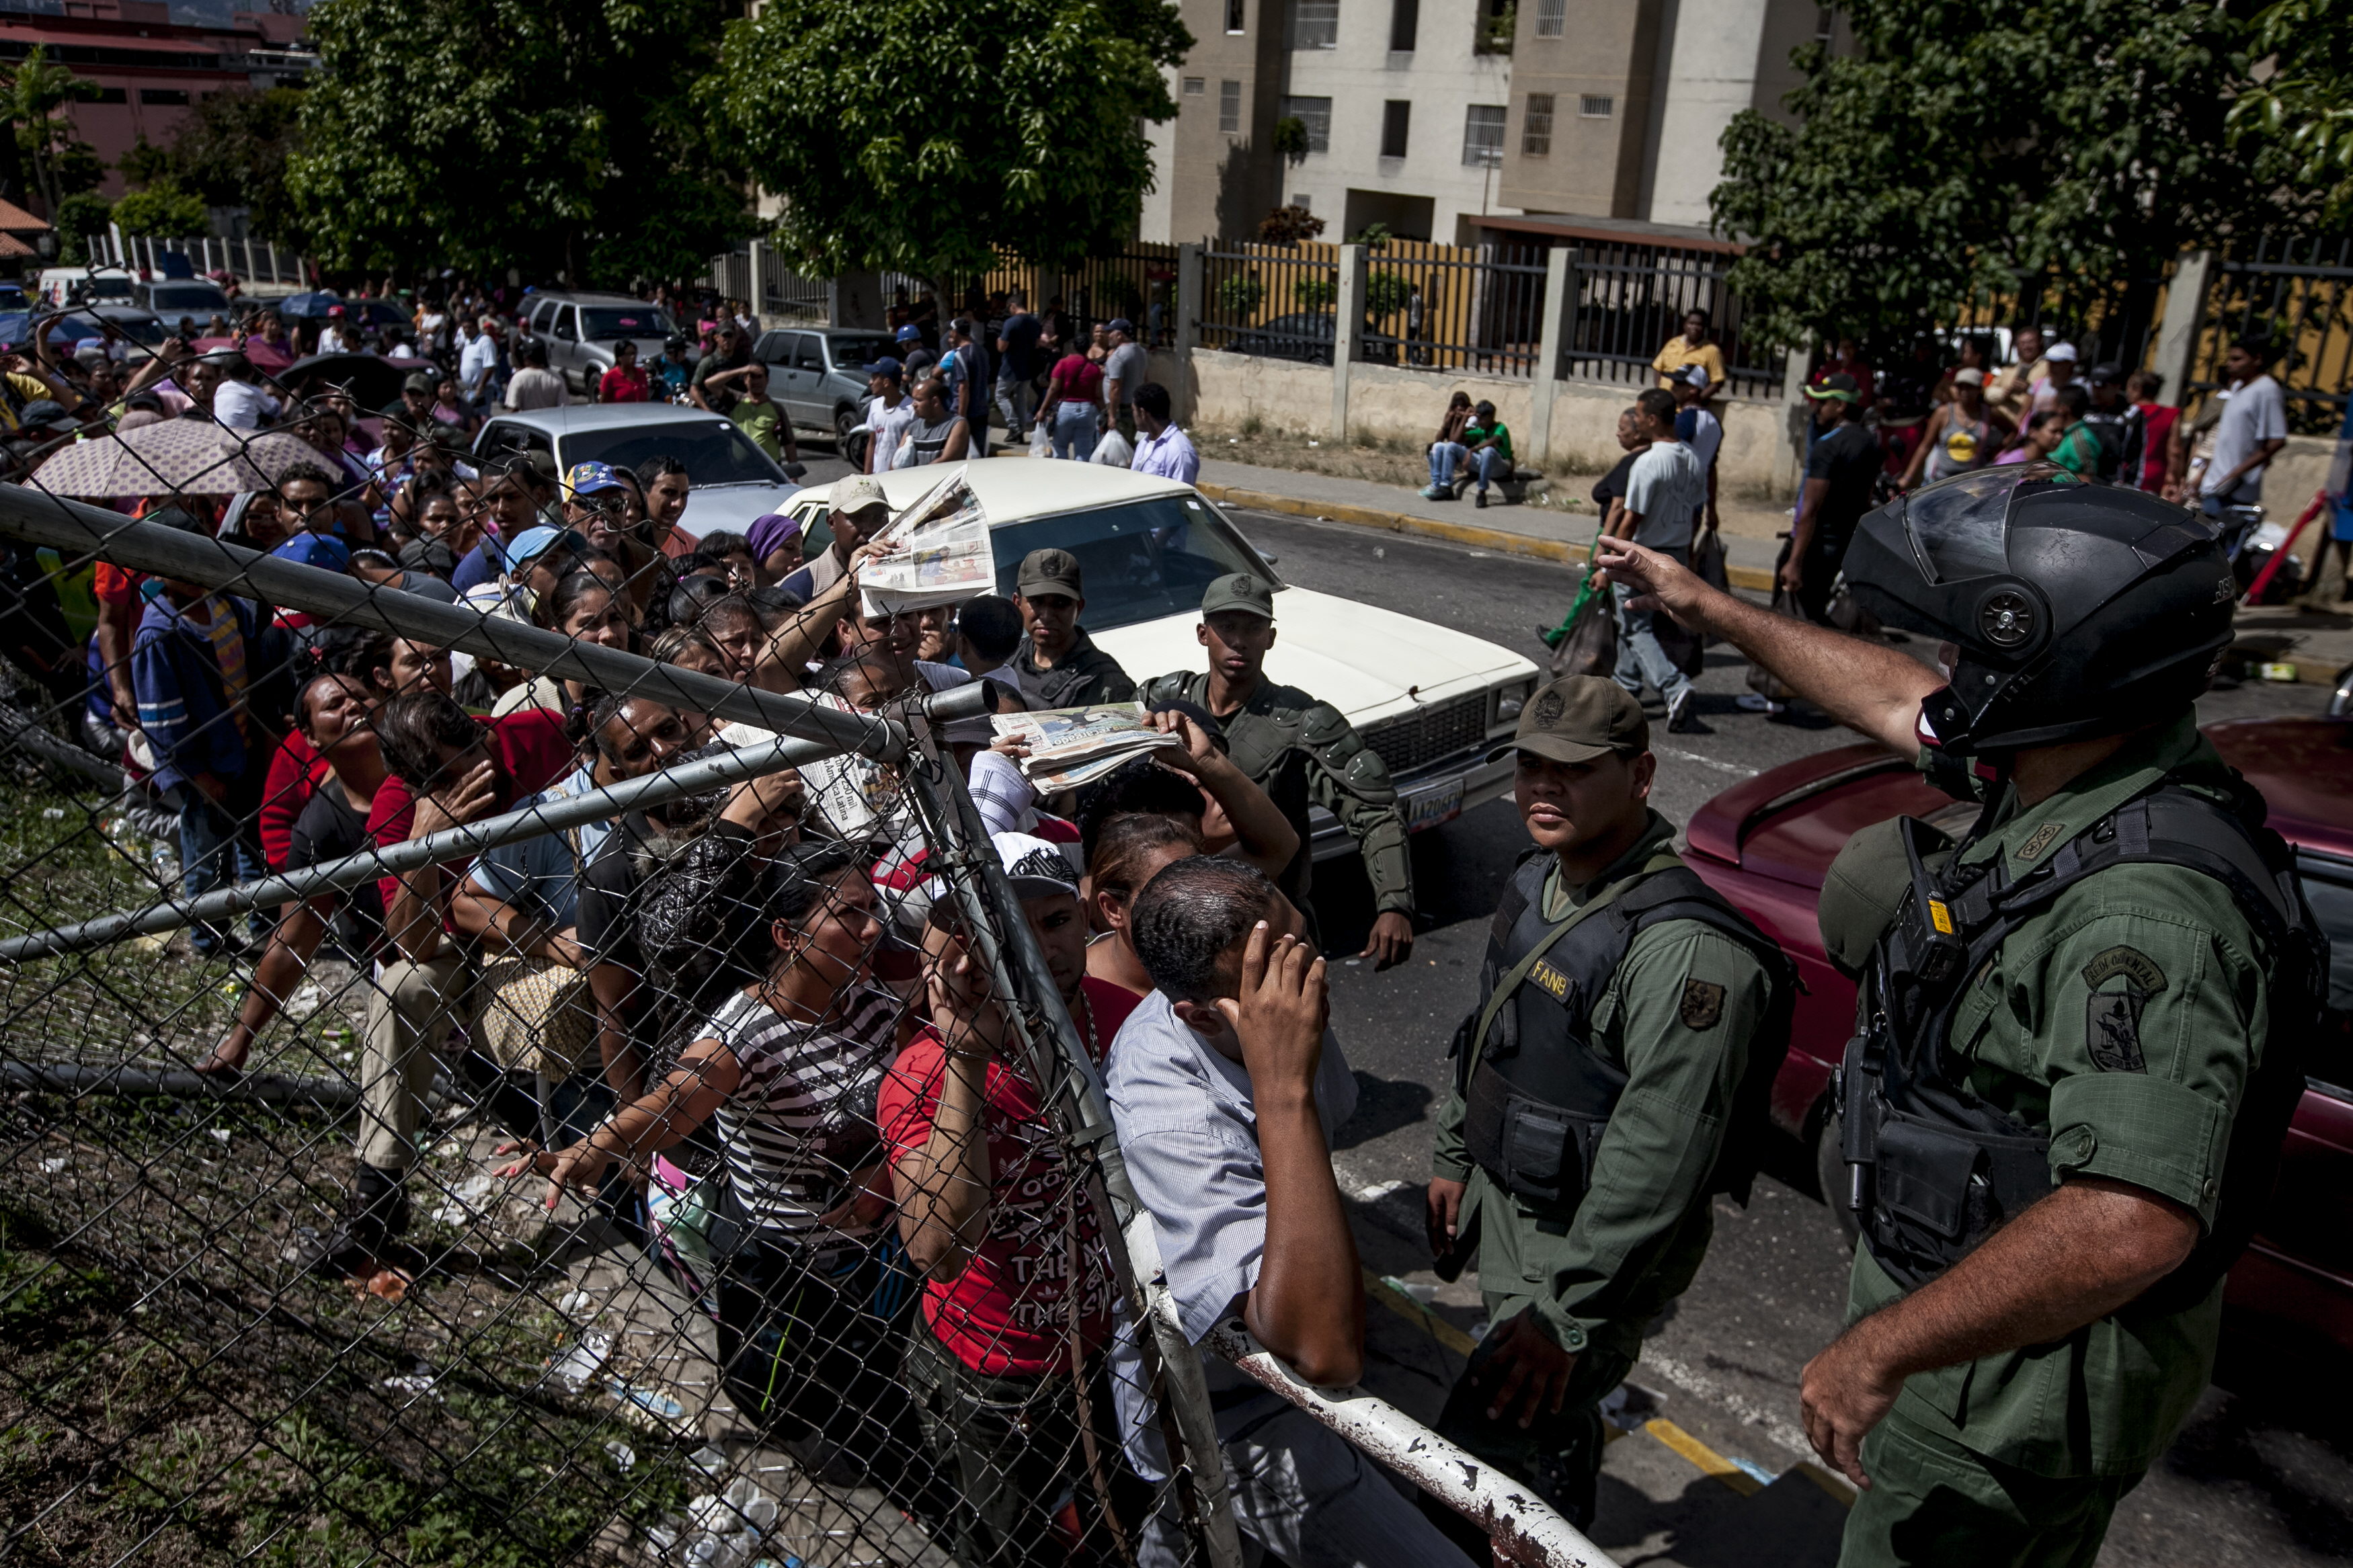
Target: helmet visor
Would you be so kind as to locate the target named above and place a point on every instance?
(1959, 528)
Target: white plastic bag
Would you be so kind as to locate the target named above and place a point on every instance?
(1115, 450)
(1041, 440)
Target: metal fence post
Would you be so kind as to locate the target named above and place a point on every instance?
(272, 245)
(1559, 310)
(1189, 273)
(2176, 336)
(756, 278)
(1347, 333)
(249, 258)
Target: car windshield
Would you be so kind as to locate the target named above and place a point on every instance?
(186, 297)
(111, 287)
(620, 323)
(714, 453)
(853, 354)
(139, 328)
(1139, 560)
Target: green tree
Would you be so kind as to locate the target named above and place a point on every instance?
(925, 138)
(163, 210)
(231, 149)
(544, 135)
(1963, 156)
(2298, 114)
(56, 162)
(80, 216)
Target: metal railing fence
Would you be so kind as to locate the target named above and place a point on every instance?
(1451, 309)
(1274, 301)
(2296, 295)
(249, 260)
(1632, 298)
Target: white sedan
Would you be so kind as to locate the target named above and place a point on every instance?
(1439, 706)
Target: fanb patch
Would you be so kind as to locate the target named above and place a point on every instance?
(1703, 1006)
(1553, 982)
(2111, 1018)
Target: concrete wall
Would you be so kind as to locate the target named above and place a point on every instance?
(1228, 389)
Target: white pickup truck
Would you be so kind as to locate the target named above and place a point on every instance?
(1437, 705)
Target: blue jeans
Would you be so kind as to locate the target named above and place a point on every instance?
(1075, 431)
(1640, 657)
(215, 852)
(1445, 455)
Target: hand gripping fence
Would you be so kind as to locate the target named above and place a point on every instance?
(299, 1308)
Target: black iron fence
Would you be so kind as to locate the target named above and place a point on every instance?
(1631, 297)
(1432, 306)
(1276, 300)
(2296, 297)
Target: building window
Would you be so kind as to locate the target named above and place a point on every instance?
(1234, 17)
(1315, 23)
(1552, 18)
(1298, 200)
(1825, 17)
(1596, 105)
(1229, 108)
(1315, 113)
(1535, 126)
(165, 96)
(1397, 116)
(1194, 86)
(1482, 136)
(110, 95)
(1405, 21)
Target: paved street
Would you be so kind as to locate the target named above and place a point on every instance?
(2263, 1475)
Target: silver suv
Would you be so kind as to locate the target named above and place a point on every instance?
(818, 373)
(581, 331)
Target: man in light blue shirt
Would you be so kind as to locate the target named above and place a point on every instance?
(1226, 1089)
(1162, 448)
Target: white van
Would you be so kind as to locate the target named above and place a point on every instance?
(63, 286)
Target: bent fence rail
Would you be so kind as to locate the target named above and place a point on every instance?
(612, 1378)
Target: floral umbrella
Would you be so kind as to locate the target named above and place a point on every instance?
(188, 456)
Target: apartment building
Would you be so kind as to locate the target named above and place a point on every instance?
(1436, 119)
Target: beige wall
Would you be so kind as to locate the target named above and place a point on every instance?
(1398, 404)
(1595, 166)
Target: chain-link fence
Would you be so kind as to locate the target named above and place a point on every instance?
(472, 1093)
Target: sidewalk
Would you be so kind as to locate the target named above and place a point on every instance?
(2314, 644)
(1513, 530)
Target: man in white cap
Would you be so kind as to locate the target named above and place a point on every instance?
(1696, 425)
(2060, 362)
(985, 1202)
(857, 512)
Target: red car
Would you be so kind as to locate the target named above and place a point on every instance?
(1767, 843)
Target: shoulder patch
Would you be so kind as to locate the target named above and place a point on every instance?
(2135, 965)
(2112, 1030)
(1702, 1005)
(2040, 841)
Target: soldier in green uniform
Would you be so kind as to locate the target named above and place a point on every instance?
(2080, 1032)
(1612, 1077)
(1299, 750)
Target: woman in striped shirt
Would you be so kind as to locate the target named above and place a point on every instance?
(813, 1300)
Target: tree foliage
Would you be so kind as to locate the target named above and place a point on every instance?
(543, 135)
(164, 211)
(924, 136)
(1963, 156)
(231, 149)
(50, 159)
(2299, 110)
(1289, 225)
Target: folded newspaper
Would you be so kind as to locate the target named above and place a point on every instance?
(937, 551)
(1074, 746)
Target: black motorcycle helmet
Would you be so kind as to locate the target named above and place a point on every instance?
(2079, 609)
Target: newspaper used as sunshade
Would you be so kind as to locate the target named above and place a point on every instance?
(1074, 746)
(937, 551)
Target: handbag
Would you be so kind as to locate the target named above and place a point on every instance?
(537, 1017)
(1590, 646)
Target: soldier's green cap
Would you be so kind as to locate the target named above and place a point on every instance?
(1580, 718)
(1243, 591)
(1049, 572)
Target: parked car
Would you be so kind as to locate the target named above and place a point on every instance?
(734, 481)
(1767, 844)
(818, 373)
(173, 297)
(582, 330)
(1437, 705)
(1307, 335)
(63, 286)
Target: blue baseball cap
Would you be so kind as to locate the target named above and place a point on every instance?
(911, 333)
(590, 478)
(533, 542)
(886, 365)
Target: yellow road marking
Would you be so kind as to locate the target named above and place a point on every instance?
(1703, 1456)
(1420, 1316)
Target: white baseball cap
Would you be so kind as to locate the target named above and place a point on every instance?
(2064, 352)
(1036, 869)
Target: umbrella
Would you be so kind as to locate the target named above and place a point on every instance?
(193, 457)
(375, 381)
(317, 302)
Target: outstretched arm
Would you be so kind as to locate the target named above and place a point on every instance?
(1866, 686)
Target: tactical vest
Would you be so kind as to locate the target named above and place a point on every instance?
(1535, 1094)
(1934, 1169)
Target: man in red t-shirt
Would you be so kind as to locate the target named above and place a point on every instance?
(990, 1220)
(446, 768)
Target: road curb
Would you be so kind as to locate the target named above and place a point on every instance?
(1463, 533)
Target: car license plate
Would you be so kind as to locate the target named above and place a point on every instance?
(1432, 806)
